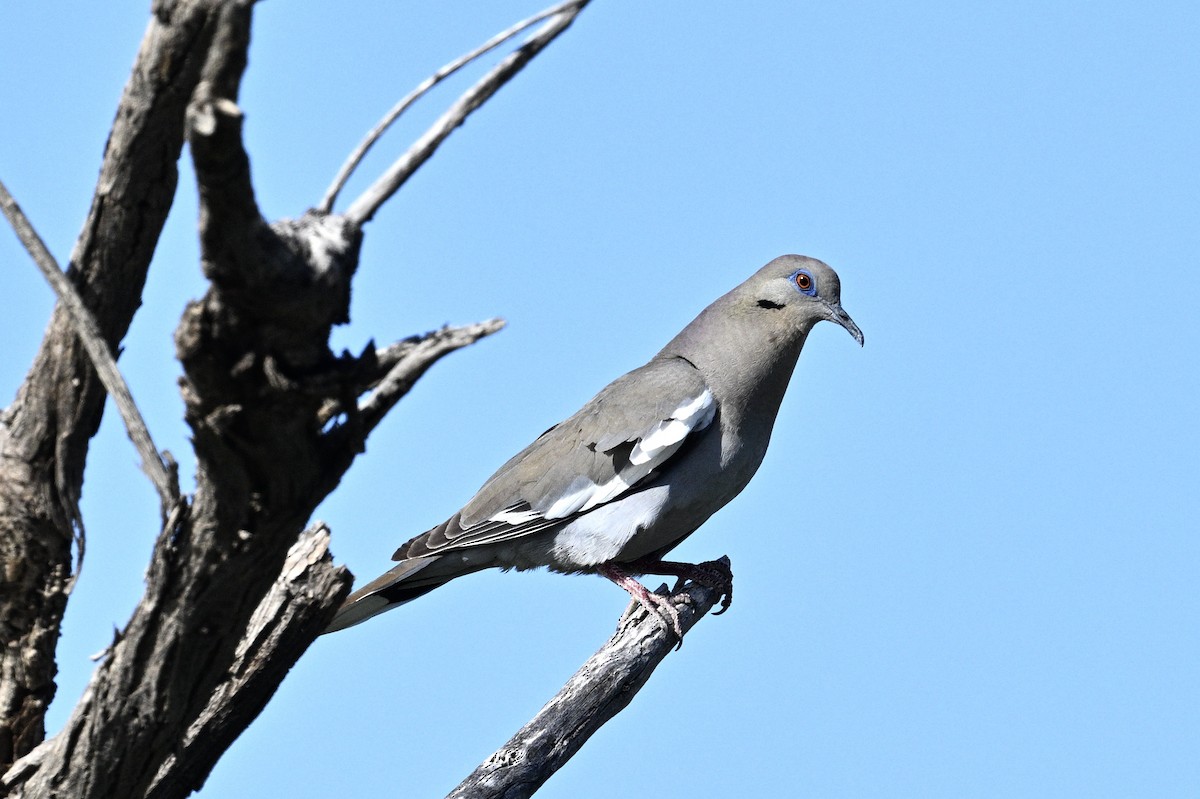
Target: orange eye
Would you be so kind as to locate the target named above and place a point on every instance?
(802, 279)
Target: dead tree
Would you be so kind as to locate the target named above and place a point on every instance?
(240, 581)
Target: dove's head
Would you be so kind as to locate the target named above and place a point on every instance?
(805, 289)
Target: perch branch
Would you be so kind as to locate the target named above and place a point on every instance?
(355, 158)
(161, 471)
(602, 687)
(365, 206)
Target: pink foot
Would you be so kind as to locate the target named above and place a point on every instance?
(714, 574)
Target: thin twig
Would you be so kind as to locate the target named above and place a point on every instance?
(355, 158)
(414, 363)
(363, 208)
(160, 472)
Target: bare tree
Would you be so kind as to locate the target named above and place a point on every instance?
(240, 582)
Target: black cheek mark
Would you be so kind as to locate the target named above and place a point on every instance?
(774, 306)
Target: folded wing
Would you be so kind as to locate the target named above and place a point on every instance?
(626, 433)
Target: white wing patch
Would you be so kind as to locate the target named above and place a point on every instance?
(670, 432)
(650, 452)
(578, 493)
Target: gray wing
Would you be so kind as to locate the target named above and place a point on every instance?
(628, 431)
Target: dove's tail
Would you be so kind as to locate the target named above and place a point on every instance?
(404, 583)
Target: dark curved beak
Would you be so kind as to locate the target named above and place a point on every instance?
(836, 314)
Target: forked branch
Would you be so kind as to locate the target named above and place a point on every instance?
(408, 369)
(355, 158)
(370, 201)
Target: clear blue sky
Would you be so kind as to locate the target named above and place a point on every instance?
(969, 564)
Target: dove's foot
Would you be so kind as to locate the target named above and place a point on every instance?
(714, 574)
(656, 604)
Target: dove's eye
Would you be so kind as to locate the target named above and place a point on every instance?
(804, 282)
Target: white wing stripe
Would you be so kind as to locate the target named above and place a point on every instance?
(615, 487)
(515, 517)
(577, 495)
(694, 415)
(658, 444)
(663, 435)
(700, 406)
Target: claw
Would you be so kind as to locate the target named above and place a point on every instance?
(714, 574)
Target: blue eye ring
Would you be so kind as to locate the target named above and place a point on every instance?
(802, 279)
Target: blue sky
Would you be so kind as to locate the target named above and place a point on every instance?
(968, 566)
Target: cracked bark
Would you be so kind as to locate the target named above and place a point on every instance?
(44, 433)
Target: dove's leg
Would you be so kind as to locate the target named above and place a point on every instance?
(714, 574)
(657, 604)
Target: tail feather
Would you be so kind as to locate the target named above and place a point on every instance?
(402, 584)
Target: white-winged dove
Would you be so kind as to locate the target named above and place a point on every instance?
(642, 464)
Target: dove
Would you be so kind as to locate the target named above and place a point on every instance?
(643, 464)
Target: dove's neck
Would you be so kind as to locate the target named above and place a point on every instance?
(746, 355)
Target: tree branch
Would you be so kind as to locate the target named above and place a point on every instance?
(370, 201)
(178, 687)
(162, 471)
(300, 604)
(44, 433)
(355, 158)
(601, 689)
(389, 374)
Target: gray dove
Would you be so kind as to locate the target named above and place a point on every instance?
(643, 464)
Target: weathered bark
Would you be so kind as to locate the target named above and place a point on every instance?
(44, 434)
(295, 609)
(159, 467)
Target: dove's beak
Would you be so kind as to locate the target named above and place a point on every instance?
(836, 314)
